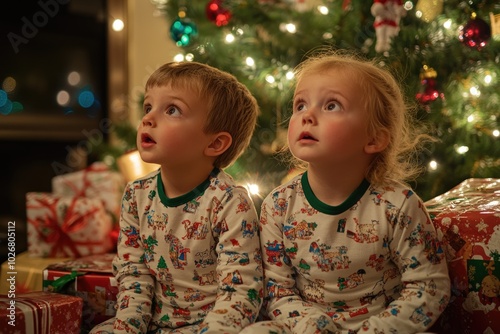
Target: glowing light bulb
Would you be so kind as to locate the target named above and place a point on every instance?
(74, 78)
(433, 165)
(252, 188)
(250, 62)
(496, 133)
(62, 98)
(475, 92)
(118, 25)
(291, 28)
(289, 75)
(447, 24)
(462, 149)
(230, 38)
(270, 79)
(179, 57)
(487, 79)
(323, 10)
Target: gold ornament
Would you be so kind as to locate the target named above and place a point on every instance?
(429, 9)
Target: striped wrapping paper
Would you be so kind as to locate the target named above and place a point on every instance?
(40, 313)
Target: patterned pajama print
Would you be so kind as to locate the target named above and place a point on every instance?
(187, 264)
(372, 264)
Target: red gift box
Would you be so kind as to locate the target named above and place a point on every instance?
(61, 226)
(96, 181)
(90, 278)
(467, 218)
(40, 313)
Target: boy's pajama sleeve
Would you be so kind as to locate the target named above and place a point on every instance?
(136, 284)
(239, 265)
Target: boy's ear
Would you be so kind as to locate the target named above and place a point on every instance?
(219, 144)
(378, 143)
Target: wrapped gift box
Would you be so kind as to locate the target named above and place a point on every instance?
(40, 313)
(467, 218)
(29, 272)
(67, 226)
(90, 278)
(96, 181)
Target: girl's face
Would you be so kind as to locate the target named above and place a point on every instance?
(329, 123)
(171, 132)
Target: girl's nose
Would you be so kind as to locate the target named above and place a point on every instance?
(308, 116)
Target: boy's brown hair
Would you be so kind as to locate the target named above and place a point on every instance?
(231, 106)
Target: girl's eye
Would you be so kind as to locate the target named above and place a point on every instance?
(147, 109)
(299, 106)
(173, 111)
(333, 106)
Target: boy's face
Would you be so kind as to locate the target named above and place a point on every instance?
(328, 126)
(171, 132)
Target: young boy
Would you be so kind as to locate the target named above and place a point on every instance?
(188, 256)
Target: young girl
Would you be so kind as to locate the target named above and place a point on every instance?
(347, 246)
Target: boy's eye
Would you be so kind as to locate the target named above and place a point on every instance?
(147, 109)
(173, 110)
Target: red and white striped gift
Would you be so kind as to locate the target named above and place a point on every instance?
(40, 313)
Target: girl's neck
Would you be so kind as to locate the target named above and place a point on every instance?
(331, 186)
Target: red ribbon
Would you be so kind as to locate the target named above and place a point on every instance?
(59, 234)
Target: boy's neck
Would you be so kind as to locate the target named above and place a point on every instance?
(180, 181)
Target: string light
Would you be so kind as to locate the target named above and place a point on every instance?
(230, 38)
(252, 188)
(462, 149)
(323, 10)
(179, 57)
(250, 62)
(433, 165)
(118, 25)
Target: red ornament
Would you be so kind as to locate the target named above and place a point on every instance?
(217, 14)
(428, 81)
(476, 33)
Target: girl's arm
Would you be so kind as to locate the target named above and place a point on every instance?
(425, 280)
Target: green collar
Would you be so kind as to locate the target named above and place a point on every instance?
(196, 192)
(329, 209)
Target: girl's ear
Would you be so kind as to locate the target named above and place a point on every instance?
(219, 144)
(378, 143)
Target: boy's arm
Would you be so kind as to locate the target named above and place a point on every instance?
(239, 266)
(283, 302)
(425, 279)
(135, 283)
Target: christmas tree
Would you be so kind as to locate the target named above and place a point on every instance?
(447, 55)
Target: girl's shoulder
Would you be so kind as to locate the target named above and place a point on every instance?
(395, 193)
